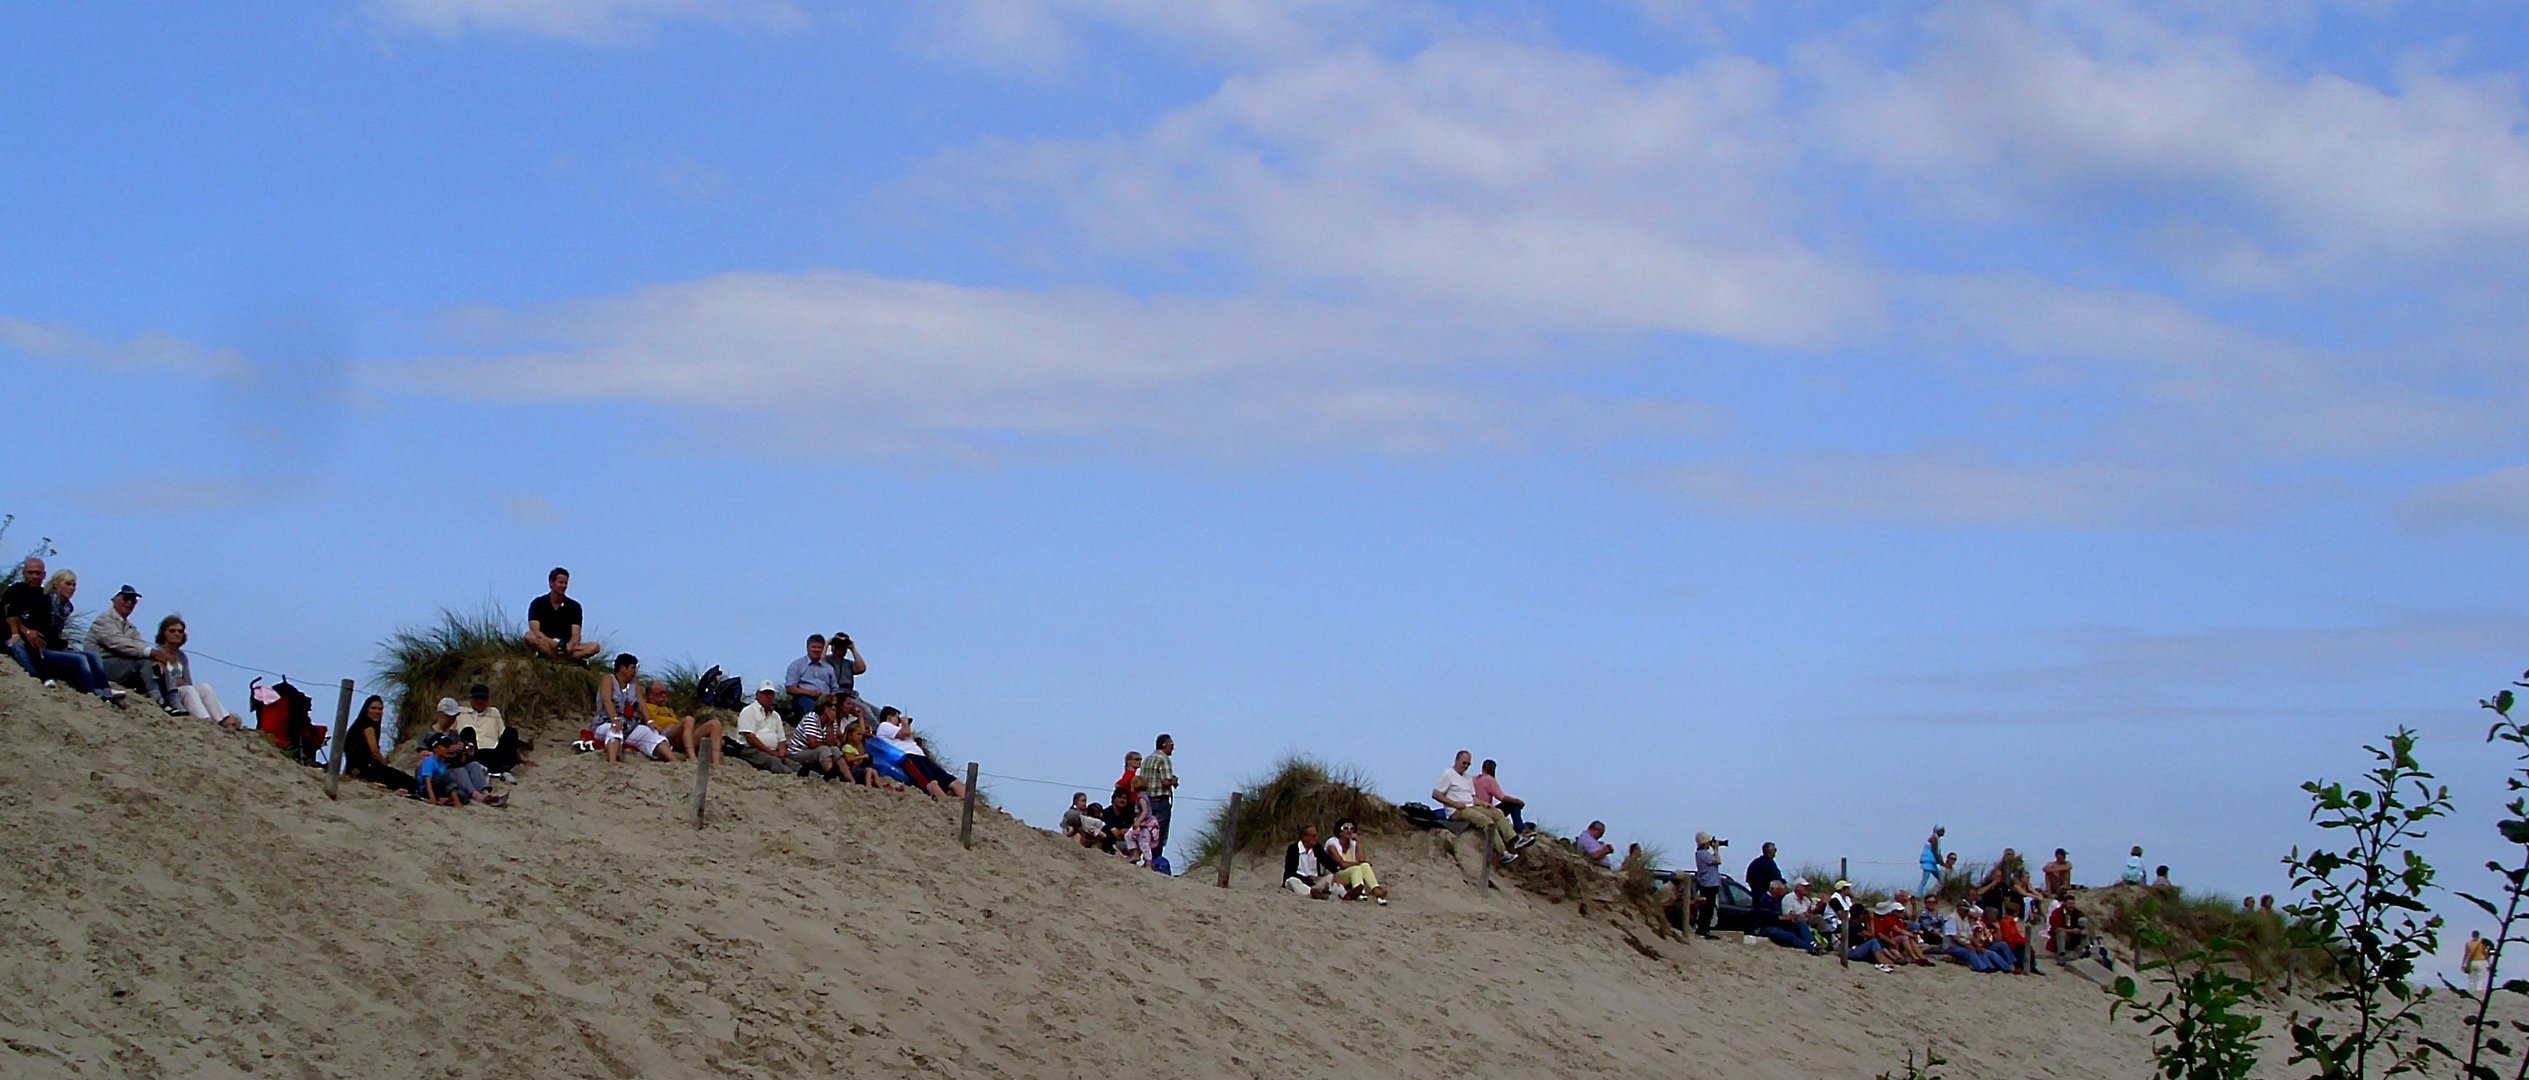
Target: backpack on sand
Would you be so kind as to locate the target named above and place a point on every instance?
(287, 719)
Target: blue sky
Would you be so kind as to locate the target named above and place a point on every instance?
(2076, 423)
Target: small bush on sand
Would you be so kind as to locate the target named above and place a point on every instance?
(442, 658)
(1298, 791)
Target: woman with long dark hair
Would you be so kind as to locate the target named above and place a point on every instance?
(367, 760)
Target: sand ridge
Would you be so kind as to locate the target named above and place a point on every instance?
(184, 902)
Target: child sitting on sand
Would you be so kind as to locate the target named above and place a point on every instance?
(431, 783)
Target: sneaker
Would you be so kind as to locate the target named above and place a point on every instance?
(1381, 899)
(1509, 857)
(1522, 841)
(111, 694)
(504, 778)
(175, 710)
(50, 684)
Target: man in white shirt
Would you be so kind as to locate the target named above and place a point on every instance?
(1455, 792)
(1301, 872)
(762, 737)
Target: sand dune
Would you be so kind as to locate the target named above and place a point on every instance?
(182, 902)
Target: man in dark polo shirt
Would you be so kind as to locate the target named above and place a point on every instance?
(553, 622)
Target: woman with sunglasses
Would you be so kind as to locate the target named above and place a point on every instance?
(1352, 868)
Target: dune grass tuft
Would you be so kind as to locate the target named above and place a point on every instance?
(441, 658)
(1299, 790)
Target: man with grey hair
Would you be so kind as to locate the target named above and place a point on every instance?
(128, 658)
(1455, 791)
(35, 636)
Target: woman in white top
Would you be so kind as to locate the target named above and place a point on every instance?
(196, 699)
(1352, 870)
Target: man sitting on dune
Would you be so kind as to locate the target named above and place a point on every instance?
(1593, 845)
(1455, 791)
(553, 621)
(761, 733)
(1779, 921)
(1301, 872)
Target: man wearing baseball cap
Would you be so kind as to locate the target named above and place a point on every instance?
(761, 733)
(499, 751)
(127, 657)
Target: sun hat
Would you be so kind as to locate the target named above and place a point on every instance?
(448, 706)
(1702, 838)
(1886, 907)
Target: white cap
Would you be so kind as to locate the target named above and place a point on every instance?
(768, 687)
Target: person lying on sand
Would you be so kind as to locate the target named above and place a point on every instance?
(896, 730)
(1352, 866)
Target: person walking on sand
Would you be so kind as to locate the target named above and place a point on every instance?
(2473, 961)
(1455, 791)
(1352, 866)
(553, 621)
(1158, 780)
(1931, 862)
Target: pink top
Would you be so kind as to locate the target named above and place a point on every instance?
(1487, 790)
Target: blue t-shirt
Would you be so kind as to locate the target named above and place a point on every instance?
(432, 772)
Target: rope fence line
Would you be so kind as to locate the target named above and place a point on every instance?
(1088, 787)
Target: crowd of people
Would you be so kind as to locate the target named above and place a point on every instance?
(113, 659)
(814, 723)
(1133, 823)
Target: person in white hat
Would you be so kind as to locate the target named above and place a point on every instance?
(761, 733)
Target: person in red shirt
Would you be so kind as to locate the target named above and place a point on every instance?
(2014, 943)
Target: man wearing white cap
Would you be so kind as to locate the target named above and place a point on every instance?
(761, 733)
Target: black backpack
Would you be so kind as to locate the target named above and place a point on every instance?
(1419, 815)
(720, 691)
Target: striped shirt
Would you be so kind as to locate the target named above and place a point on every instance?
(810, 732)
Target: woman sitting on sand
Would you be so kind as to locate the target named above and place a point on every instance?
(196, 699)
(620, 717)
(1352, 867)
(364, 758)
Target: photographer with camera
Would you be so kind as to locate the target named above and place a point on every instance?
(1707, 881)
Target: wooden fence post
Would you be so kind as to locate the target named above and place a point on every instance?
(342, 724)
(966, 816)
(1484, 877)
(702, 780)
(1229, 839)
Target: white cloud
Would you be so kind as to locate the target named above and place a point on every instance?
(1041, 36)
(2082, 110)
(1546, 188)
(173, 495)
(921, 367)
(1961, 486)
(2498, 499)
(585, 21)
(144, 352)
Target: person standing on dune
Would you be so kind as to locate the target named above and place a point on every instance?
(1158, 780)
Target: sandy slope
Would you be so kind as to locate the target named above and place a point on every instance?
(180, 902)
